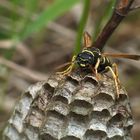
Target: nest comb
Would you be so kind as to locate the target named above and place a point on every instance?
(75, 107)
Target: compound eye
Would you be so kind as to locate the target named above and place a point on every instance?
(79, 54)
(89, 58)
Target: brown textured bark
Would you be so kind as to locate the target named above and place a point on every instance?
(120, 12)
(75, 107)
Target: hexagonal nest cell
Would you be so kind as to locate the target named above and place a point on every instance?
(74, 107)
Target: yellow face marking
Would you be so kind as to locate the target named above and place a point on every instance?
(82, 65)
(82, 59)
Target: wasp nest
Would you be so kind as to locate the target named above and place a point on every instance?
(75, 107)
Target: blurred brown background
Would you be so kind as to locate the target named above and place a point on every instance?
(34, 58)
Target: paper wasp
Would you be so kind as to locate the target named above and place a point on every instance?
(92, 59)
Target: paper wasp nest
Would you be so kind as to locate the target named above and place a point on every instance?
(71, 108)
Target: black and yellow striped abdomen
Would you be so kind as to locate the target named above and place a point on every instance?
(104, 62)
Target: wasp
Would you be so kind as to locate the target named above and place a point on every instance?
(91, 58)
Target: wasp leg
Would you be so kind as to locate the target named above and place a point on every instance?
(115, 80)
(63, 65)
(116, 72)
(69, 69)
(95, 69)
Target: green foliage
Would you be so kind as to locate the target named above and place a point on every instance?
(58, 8)
(30, 7)
(99, 25)
(18, 24)
(20, 15)
(82, 25)
(104, 18)
(17, 18)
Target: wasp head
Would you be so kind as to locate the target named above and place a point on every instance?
(84, 59)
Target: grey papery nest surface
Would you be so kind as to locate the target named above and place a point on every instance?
(74, 107)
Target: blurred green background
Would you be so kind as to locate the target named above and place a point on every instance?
(37, 36)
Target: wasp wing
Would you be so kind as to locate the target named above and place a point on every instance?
(63, 65)
(122, 55)
(87, 40)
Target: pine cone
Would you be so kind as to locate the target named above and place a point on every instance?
(74, 107)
